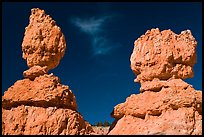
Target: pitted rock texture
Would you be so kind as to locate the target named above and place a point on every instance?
(44, 91)
(163, 55)
(156, 103)
(39, 104)
(171, 111)
(100, 130)
(156, 85)
(32, 120)
(184, 121)
(34, 72)
(43, 43)
(41, 107)
(166, 105)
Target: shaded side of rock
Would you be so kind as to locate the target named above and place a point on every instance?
(34, 72)
(156, 85)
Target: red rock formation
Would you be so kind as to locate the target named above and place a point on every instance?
(44, 91)
(34, 72)
(166, 104)
(44, 43)
(39, 104)
(163, 55)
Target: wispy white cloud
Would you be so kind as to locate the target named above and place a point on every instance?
(94, 27)
(91, 25)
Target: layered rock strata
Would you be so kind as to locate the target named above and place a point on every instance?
(40, 104)
(166, 105)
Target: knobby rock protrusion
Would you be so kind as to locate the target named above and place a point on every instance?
(43, 43)
(163, 55)
(166, 105)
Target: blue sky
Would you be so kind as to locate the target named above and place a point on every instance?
(100, 38)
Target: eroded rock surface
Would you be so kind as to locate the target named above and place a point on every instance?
(166, 105)
(163, 55)
(100, 130)
(40, 104)
(41, 107)
(184, 121)
(32, 120)
(34, 72)
(156, 103)
(168, 112)
(44, 91)
(43, 43)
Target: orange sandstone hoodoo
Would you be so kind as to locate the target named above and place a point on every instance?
(166, 105)
(39, 104)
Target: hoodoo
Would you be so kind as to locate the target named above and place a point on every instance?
(40, 104)
(166, 105)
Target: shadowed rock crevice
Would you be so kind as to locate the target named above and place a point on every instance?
(42, 103)
(194, 123)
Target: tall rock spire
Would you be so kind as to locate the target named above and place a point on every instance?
(40, 104)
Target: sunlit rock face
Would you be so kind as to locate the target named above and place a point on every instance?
(163, 55)
(39, 104)
(43, 43)
(166, 105)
